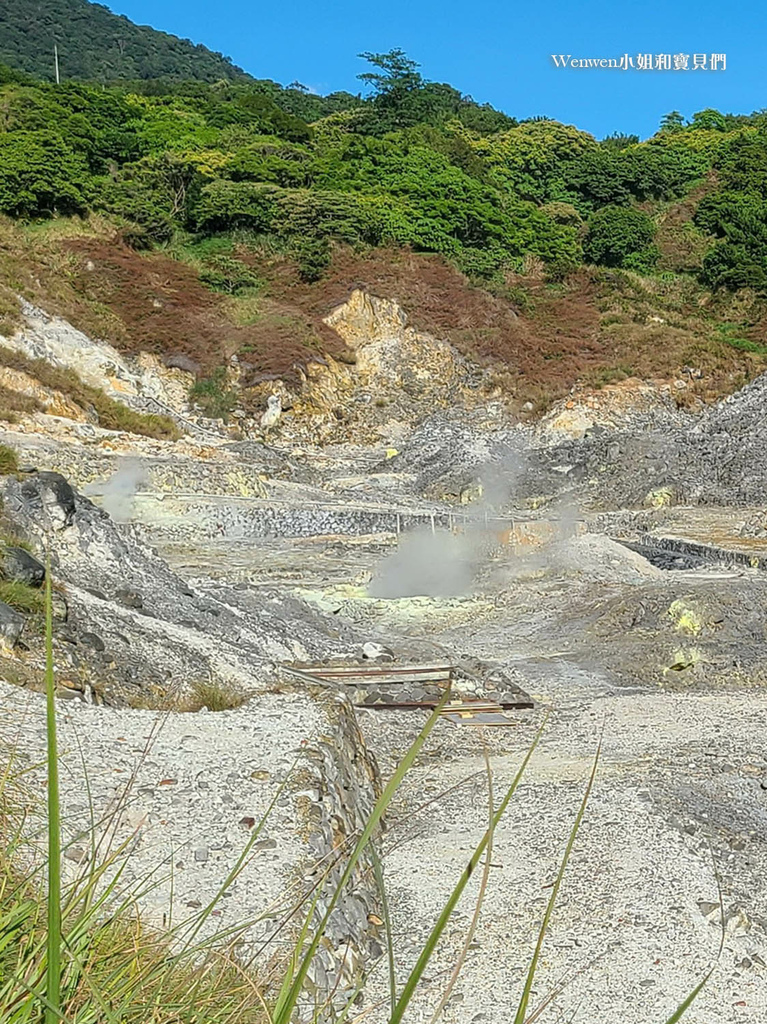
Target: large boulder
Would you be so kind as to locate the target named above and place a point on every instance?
(50, 498)
(18, 564)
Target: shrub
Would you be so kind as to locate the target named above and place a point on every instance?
(236, 204)
(9, 462)
(40, 175)
(21, 596)
(203, 693)
(225, 274)
(610, 176)
(111, 415)
(13, 402)
(620, 237)
(734, 266)
(214, 396)
(313, 257)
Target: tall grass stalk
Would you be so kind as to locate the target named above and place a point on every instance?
(469, 937)
(521, 1013)
(53, 944)
(94, 962)
(436, 932)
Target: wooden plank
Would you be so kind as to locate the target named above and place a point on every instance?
(413, 690)
(385, 680)
(338, 671)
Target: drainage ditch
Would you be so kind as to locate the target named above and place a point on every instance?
(676, 555)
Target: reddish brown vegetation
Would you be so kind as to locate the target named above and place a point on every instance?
(596, 327)
(161, 306)
(543, 338)
(549, 348)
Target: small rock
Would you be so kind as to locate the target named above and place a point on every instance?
(273, 412)
(65, 693)
(662, 497)
(93, 640)
(50, 495)
(201, 854)
(707, 908)
(59, 606)
(77, 854)
(376, 652)
(129, 598)
(11, 626)
(71, 684)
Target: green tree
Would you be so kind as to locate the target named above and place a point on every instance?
(620, 237)
(397, 75)
(672, 122)
(618, 140)
(40, 175)
(710, 120)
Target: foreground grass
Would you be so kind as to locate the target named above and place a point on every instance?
(80, 954)
(21, 596)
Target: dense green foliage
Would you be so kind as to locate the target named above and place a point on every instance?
(413, 163)
(621, 237)
(95, 43)
(737, 215)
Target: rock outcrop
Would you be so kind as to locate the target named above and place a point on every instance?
(156, 634)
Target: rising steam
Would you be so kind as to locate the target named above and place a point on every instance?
(116, 495)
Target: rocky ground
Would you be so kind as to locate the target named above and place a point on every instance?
(609, 560)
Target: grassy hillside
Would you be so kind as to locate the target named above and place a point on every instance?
(203, 220)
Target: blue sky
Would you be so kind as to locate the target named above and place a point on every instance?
(498, 52)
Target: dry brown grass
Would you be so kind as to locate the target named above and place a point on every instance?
(202, 693)
(682, 245)
(9, 461)
(12, 404)
(541, 337)
(111, 415)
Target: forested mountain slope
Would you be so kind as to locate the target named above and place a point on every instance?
(95, 43)
(529, 243)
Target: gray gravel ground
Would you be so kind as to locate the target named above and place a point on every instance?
(594, 633)
(678, 797)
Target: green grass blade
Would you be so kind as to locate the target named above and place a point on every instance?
(53, 959)
(471, 931)
(444, 917)
(377, 813)
(526, 991)
(295, 956)
(685, 1006)
(381, 883)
